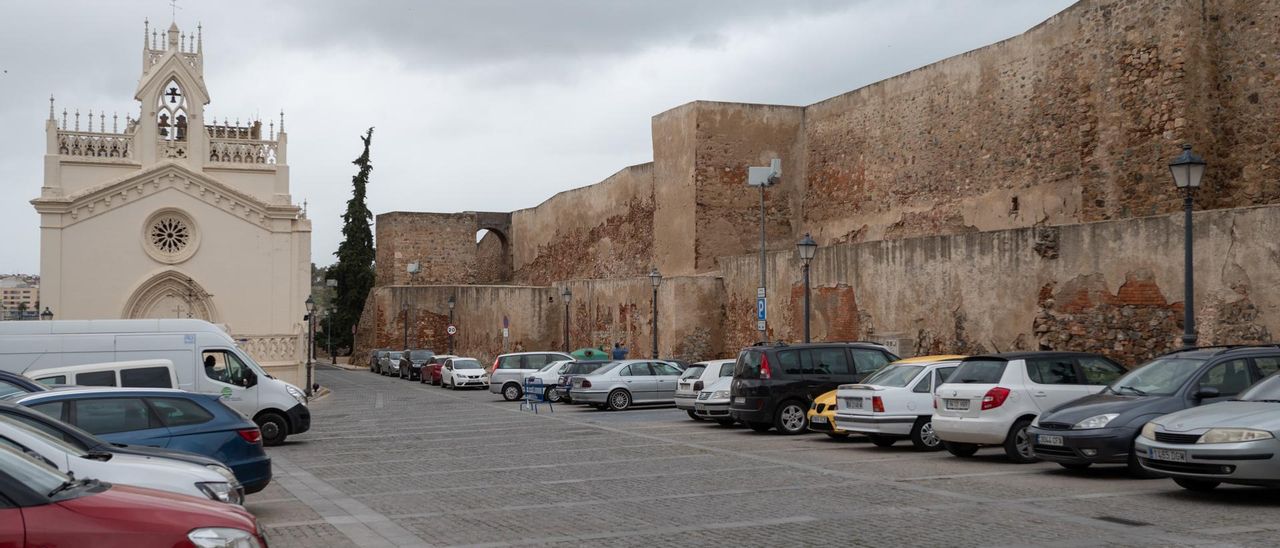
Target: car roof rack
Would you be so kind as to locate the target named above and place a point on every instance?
(1222, 348)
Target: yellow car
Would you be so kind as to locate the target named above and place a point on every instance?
(822, 412)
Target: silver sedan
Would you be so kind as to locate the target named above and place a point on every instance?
(626, 382)
(1225, 442)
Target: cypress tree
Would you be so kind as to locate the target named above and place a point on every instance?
(354, 269)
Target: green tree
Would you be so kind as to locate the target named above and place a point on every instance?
(354, 269)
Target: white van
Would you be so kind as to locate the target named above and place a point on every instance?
(130, 374)
(205, 359)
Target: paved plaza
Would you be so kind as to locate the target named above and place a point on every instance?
(394, 463)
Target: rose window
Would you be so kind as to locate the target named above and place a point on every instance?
(170, 235)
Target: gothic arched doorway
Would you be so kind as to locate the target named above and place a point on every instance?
(170, 294)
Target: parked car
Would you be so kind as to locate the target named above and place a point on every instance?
(821, 416)
(578, 368)
(896, 402)
(375, 358)
(992, 399)
(132, 373)
(624, 383)
(507, 375)
(172, 419)
(412, 362)
(11, 383)
(46, 507)
(463, 373)
(389, 363)
(430, 373)
(152, 472)
(695, 378)
(549, 375)
(774, 384)
(1102, 428)
(713, 402)
(1228, 442)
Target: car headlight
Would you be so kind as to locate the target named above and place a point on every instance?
(220, 491)
(297, 394)
(224, 472)
(720, 395)
(1096, 421)
(1233, 435)
(222, 537)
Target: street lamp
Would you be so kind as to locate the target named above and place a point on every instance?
(47, 314)
(568, 297)
(763, 177)
(311, 334)
(1187, 169)
(806, 247)
(404, 313)
(655, 278)
(452, 303)
(328, 332)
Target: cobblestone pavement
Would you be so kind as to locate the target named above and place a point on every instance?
(394, 463)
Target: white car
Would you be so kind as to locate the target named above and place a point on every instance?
(154, 472)
(549, 375)
(713, 402)
(697, 377)
(463, 373)
(992, 399)
(895, 402)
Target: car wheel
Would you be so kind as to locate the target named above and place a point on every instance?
(759, 426)
(725, 422)
(790, 419)
(923, 437)
(619, 400)
(693, 415)
(882, 441)
(838, 435)
(510, 391)
(963, 450)
(552, 395)
(274, 428)
(1135, 468)
(1197, 485)
(1017, 445)
(1077, 466)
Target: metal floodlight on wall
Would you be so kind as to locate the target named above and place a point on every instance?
(1187, 169)
(765, 176)
(807, 248)
(655, 277)
(413, 268)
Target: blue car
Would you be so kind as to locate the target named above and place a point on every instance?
(172, 419)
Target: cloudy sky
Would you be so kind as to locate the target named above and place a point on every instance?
(478, 104)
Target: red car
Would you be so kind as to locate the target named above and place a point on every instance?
(431, 370)
(40, 506)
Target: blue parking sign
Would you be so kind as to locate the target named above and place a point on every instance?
(760, 309)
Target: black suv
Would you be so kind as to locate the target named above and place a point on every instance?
(773, 384)
(1100, 428)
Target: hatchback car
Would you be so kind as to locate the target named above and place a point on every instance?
(430, 373)
(992, 399)
(412, 362)
(624, 383)
(463, 373)
(1227, 442)
(389, 363)
(578, 368)
(696, 377)
(172, 419)
(773, 384)
(1101, 428)
(40, 506)
(713, 402)
(822, 416)
(896, 402)
(507, 375)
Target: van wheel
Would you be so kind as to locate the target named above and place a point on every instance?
(963, 450)
(790, 419)
(1017, 444)
(510, 392)
(923, 437)
(759, 426)
(274, 429)
(619, 400)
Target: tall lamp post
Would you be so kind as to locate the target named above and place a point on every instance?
(311, 334)
(452, 303)
(568, 297)
(655, 278)
(413, 269)
(328, 332)
(763, 177)
(47, 314)
(1187, 169)
(806, 248)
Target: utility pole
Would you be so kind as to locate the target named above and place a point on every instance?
(763, 177)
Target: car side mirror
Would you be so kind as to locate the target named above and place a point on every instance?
(1207, 392)
(251, 380)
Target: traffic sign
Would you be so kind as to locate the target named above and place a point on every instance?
(452, 330)
(760, 309)
(506, 332)
(760, 325)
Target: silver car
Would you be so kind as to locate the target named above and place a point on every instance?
(1225, 442)
(623, 383)
(389, 363)
(713, 402)
(697, 377)
(509, 371)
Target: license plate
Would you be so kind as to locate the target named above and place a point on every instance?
(958, 405)
(854, 403)
(1050, 440)
(736, 399)
(1171, 455)
(819, 419)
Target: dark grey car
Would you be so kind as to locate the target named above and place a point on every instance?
(411, 363)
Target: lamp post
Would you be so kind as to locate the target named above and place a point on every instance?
(311, 333)
(763, 177)
(404, 313)
(655, 278)
(452, 303)
(568, 297)
(413, 269)
(806, 247)
(328, 333)
(1187, 169)
(47, 314)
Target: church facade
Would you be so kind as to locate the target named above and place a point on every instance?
(174, 214)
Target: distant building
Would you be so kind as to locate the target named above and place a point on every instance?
(15, 292)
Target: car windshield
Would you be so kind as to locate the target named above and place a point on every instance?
(8, 422)
(1159, 377)
(420, 354)
(896, 376)
(550, 366)
(981, 371)
(1267, 390)
(36, 475)
(693, 371)
(466, 364)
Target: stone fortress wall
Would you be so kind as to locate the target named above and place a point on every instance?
(1012, 197)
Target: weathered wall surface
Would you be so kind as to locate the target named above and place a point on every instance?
(689, 315)
(1113, 287)
(445, 246)
(601, 231)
